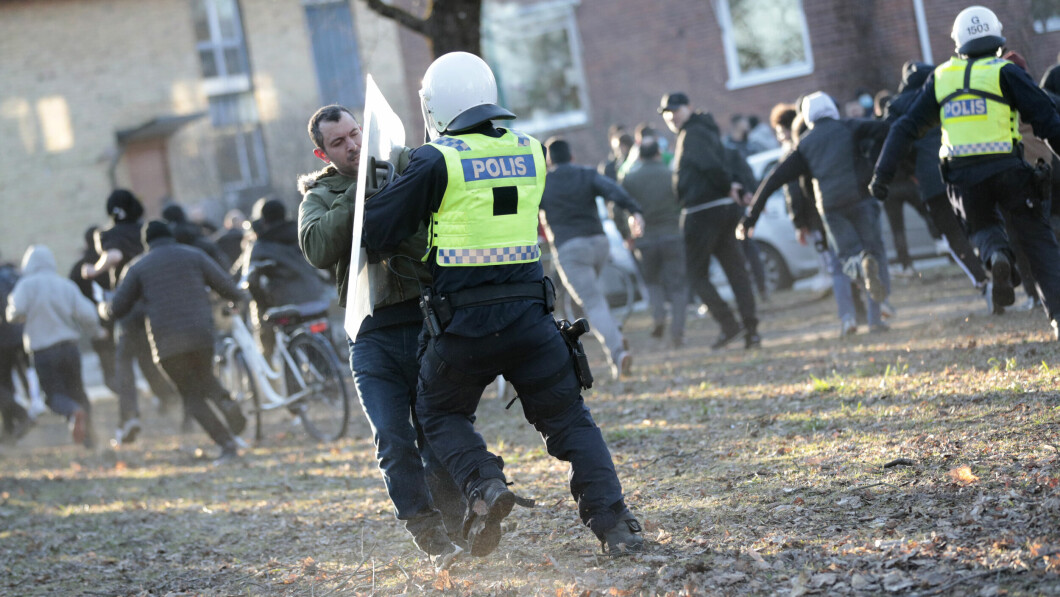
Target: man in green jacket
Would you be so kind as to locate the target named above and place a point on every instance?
(384, 356)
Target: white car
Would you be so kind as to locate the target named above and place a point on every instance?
(786, 261)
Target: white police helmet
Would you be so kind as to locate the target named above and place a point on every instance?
(458, 93)
(976, 30)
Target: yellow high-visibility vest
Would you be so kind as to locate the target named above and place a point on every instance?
(488, 214)
(976, 118)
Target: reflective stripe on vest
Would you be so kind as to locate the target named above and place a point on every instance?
(976, 118)
(488, 213)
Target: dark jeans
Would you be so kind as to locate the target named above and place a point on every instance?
(754, 264)
(979, 205)
(59, 370)
(904, 192)
(712, 233)
(947, 223)
(662, 264)
(385, 371)
(133, 345)
(854, 231)
(532, 355)
(192, 373)
(11, 410)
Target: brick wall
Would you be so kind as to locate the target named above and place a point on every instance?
(635, 51)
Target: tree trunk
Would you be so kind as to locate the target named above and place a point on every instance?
(449, 25)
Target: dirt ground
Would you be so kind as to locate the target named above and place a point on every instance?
(919, 461)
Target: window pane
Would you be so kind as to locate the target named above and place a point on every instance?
(228, 19)
(335, 53)
(234, 64)
(209, 63)
(767, 33)
(1046, 15)
(228, 151)
(202, 23)
(534, 56)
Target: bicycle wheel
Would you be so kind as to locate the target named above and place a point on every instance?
(235, 377)
(325, 410)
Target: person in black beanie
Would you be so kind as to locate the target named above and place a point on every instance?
(117, 245)
(169, 280)
(188, 233)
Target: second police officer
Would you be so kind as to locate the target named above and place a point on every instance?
(979, 98)
(478, 188)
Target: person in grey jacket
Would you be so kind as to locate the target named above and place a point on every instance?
(55, 314)
(828, 153)
(660, 251)
(171, 279)
(579, 244)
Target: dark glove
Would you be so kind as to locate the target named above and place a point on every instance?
(878, 188)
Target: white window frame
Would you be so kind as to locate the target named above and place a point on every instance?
(738, 79)
(533, 19)
(224, 83)
(1047, 26)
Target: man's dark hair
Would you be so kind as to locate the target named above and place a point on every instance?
(649, 146)
(558, 150)
(645, 130)
(782, 115)
(625, 140)
(332, 113)
(615, 130)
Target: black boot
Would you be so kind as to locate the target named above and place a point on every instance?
(1000, 285)
(489, 504)
(234, 415)
(623, 538)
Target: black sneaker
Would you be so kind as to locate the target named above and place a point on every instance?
(488, 506)
(229, 454)
(446, 556)
(752, 340)
(1000, 286)
(234, 415)
(624, 538)
(724, 339)
(658, 330)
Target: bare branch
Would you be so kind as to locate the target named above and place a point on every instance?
(399, 15)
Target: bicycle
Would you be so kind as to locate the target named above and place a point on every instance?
(307, 378)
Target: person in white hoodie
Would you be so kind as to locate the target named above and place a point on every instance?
(55, 314)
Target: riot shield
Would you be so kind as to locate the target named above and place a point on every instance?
(382, 139)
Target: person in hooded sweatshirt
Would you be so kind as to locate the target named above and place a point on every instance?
(171, 279)
(281, 275)
(116, 246)
(55, 314)
(828, 153)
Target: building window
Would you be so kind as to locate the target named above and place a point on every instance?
(765, 40)
(535, 52)
(240, 149)
(1046, 15)
(238, 142)
(338, 63)
(222, 51)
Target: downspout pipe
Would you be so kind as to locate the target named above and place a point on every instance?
(922, 32)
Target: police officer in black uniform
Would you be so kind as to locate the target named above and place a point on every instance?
(978, 98)
(478, 188)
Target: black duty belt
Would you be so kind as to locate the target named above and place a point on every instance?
(438, 309)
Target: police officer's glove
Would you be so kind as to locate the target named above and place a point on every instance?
(878, 188)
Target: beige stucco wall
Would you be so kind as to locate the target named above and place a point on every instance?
(73, 72)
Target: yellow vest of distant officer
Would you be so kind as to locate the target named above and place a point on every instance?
(976, 118)
(488, 214)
